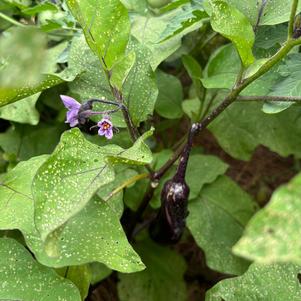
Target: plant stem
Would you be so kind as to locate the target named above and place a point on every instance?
(229, 99)
(11, 20)
(270, 98)
(292, 19)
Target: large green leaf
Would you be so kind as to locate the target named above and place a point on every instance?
(187, 16)
(23, 63)
(162, 279)
(24, 141)
(261, 282)
(73, 173)
(217, 219)
(139, 89)
(49, 78)
(273, 234)
(23, 111)
(22, 278)
(232, 24)
(170, 96)
(275, 11)
(201, 170)
(288, 85)
(162, 34)
(106, 26)
(94, 234)
(243, 126)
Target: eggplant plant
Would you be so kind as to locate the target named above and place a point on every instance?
(121, 122)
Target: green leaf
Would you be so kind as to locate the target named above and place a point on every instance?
(94, 234)
(121, 70)
(24, 141)
(260, 282)
(49, 78)
(217, 219)
(243, 126)
(192, 108)
(23, 64)
(232, 24)
(23, 111)
(22, 278)
(188, 16)
(273, 234)
(164, 272)
(222, 68)
(73, 173)
(139, 89)
(46, 6)
(99, 272)
(80, 275)
(162, 34)
(288, 85)
(201, 170)
(168, 104)
(106, 26)
(275, 12)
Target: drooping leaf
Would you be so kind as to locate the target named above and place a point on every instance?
(260, 282)
(170, 96)
(273, 234)
(217, 219)
(232, 24)
(22, 278)
(162, 279)
(94, 234)
(106, 26)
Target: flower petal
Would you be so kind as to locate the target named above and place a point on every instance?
(109, 133)
(70, 103)
(104, 120)
(101, 132)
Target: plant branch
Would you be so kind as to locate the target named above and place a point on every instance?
(292, 19)
(11, 20)
(229, 99)
(270, 98)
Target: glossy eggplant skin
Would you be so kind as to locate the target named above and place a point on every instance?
(169, 224)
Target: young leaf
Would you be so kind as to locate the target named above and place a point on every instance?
(22, 278)
(232, 24)
(164, 272)
(217, 219)
(106, 26)
(260, 282)
(273, 234)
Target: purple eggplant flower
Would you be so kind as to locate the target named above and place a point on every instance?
(73, 107)
(105, 128)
